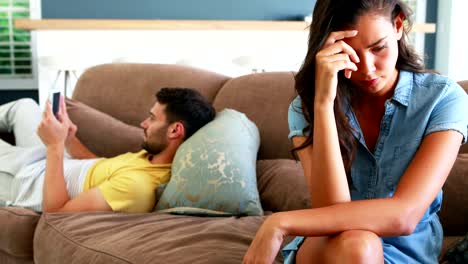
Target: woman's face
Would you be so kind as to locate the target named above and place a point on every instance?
(376, 45)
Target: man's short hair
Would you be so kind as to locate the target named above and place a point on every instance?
(187, 106)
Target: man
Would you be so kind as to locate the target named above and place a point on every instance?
(37, 173)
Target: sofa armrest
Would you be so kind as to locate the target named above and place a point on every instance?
(454, 211)
(463, 149)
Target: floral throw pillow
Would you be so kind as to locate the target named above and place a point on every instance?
(214, 171)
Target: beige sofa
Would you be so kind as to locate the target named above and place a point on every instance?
(122, 95)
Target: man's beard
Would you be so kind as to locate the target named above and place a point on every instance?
(156, 142)
(154, 148)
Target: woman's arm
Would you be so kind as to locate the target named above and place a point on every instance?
(322, 162)
(393, 216)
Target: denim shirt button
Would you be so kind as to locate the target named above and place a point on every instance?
(389, 183)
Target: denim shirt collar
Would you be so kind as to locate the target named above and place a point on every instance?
(403, 88)
(401, 95)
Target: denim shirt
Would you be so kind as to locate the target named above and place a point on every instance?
(422, 103)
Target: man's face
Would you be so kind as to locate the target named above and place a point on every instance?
(155, 128)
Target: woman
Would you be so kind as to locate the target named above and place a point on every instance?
(376, 136)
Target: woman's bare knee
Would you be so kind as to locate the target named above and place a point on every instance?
(355, 246)
(312, 250)
(348, 247)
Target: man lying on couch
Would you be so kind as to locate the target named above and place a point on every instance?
(38, 174)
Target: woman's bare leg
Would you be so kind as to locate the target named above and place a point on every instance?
(355, 246)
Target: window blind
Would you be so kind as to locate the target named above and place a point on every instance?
(16, 56)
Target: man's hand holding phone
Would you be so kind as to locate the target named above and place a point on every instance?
(55, 128)
(54, 98)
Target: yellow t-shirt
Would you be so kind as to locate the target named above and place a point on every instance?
(128, 182)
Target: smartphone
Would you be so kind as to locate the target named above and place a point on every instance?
(54, 98)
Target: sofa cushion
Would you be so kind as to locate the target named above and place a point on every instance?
(95, 128)
(454, 212)
(282, 185)
(17, 227)
(464, 148)
(448, 242)
(456, 252)
(213, 172)
(134, 85)
(143, 238)
(264, 98)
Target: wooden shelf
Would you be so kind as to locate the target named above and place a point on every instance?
(109, 24)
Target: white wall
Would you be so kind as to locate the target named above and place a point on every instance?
(212, 50)
(451, 42)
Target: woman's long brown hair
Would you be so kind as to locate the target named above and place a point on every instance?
(335, 15)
